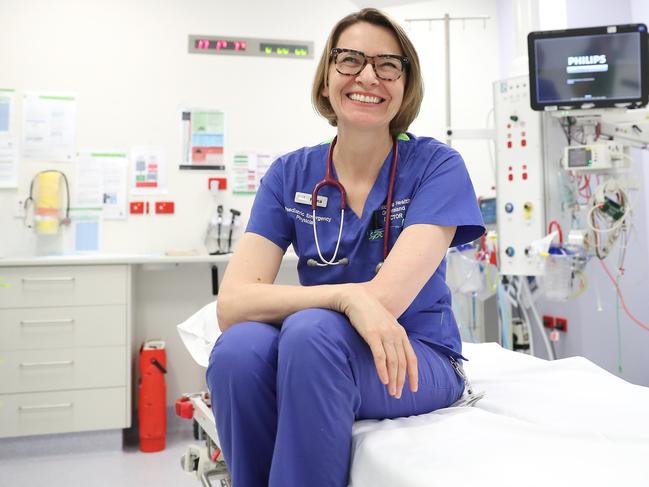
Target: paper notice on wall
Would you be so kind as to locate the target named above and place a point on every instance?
(49, 126)
(114, 168)
(248, 167)
(202, 139)
(6, 110)
(263, 163)
(8, 156)
(89, 185)
(102, 181)
(244, 173)
(149, 171)
(86, 229)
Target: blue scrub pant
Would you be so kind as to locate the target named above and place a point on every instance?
(285, 399)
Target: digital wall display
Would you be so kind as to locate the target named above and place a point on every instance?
(247, 46)
(219, 45)
(587, 68)
(284, 49)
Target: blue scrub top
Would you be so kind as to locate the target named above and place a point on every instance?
(432, 186)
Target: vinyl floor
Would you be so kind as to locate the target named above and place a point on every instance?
(22, 464)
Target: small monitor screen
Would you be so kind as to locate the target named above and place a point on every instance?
(588, 67)
(579, 157)
(488, 209)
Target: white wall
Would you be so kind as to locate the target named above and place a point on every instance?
(474, 67)
(129, 65)
(516, 18)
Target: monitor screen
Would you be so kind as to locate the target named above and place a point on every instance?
(579, 157)
(488, 209)
(587, 68)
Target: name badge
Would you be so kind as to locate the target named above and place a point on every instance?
(305, 199)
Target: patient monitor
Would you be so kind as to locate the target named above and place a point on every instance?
(592, 67)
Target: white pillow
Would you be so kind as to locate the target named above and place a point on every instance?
(199, 333)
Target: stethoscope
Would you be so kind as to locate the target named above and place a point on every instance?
(329, 180)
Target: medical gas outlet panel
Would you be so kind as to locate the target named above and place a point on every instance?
(519, 178)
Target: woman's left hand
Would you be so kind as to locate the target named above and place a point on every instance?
(393, 354)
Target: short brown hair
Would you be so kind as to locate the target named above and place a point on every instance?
(414, 87)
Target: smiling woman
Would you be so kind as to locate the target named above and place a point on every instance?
(413, 86)
(359, 97)
(370, 333)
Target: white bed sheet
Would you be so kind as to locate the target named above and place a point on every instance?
(566, 422)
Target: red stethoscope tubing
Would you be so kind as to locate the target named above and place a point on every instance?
(329, 180)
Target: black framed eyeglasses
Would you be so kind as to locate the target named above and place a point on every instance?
(349, 62)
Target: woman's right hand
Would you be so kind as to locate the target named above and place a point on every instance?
(393, 354)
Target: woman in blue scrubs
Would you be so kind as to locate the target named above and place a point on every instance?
(297, 365)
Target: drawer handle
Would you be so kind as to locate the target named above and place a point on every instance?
(47, 364)
(63, 321)
(48, 279)
(65, 405)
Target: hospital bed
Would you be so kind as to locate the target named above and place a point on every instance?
(541, 423)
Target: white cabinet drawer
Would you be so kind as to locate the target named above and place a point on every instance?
(63, 411)
(65, 327)
(66, 368)
(29, 287)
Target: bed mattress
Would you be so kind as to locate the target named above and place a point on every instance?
(542, 423)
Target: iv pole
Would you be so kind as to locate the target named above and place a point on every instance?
(447, 62)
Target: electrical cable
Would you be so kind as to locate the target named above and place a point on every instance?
(521, 307)
(602, 219)
(555, 223)
(618, 328)
(526, 318)
(505, 318)
(619, 292)
(619, 224)
(566, 132)
(554, 351)
(548, 346)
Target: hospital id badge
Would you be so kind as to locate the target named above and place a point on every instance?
(305, 199)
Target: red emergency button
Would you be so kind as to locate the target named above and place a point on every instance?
(510, 177)
(523, 142)
(509, 144)
(524, 175)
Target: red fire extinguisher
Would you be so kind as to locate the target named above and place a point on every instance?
(152, 402)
